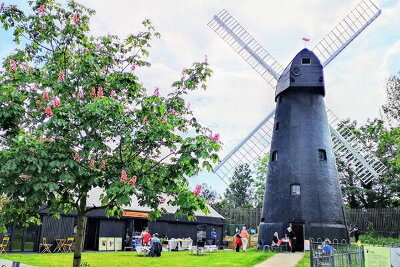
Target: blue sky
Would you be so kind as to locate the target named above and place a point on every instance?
(238, 98)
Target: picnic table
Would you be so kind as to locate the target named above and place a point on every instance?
(179, 244)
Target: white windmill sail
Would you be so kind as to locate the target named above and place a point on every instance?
(353, 152)
(254, 146)
(346, 31)
(246, 46)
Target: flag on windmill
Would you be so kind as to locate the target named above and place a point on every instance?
(305, 39)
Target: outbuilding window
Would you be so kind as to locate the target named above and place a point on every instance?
(295, 189)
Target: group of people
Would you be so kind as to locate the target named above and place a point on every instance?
(291, 237)
(242, 239)
(146, 239)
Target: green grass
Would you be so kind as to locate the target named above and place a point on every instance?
(305, 261)
(167, 259)
(376, 256)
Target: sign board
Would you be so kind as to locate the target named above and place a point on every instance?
(102, 243)
(395, 257)
(306, 244)
(118, 243)
(110, 243)
(135, 214)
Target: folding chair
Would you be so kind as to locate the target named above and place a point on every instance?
(4, 244)
(67, 246)
(46, 246)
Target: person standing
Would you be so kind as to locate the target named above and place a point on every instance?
(245, 238)
(356, 232)
(292, 239)
(213, 236)
(238, 241)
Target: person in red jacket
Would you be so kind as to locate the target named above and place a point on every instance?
(146, 238)
(238, 242)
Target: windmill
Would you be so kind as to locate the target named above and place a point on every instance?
(301, 134)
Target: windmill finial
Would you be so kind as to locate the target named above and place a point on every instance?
(305, 41)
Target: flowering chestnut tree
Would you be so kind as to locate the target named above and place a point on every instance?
(74, 116)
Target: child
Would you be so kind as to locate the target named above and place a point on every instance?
(238, 241)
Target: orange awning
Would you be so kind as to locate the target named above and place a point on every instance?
(135, 214)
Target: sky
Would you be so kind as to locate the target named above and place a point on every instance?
(237, 98)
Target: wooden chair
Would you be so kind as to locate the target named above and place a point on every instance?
(46, 246)
(4, 244)
(67, 247)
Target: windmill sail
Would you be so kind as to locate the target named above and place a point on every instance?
(254, 146)
(246, 46)
(353, 152)
(346, 31)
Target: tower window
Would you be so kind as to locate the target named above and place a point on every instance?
(277, 126)
(322, 154)
(295, 189)
(275, 155)
(306, 61)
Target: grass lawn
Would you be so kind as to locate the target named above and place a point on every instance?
(377, 256)
(305, 261)
(167, 259)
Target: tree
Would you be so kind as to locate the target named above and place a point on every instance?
(74, 116)
(261, 172)
(208, 193)
(382, 138)
(240, 192)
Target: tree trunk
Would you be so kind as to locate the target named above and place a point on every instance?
(80, 232)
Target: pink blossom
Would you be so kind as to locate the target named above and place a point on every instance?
(173, 112)
(145, 121)
(100, 92)
(103, 70)
(2, 6)
(13, 65)
(188, 105)
(48, 112)
(197, 190)
(93, 92)
(133, 67)
(41, 9)
(61, 76)
(157, 91)
(165, 120)
(80, 94)
(132, 182)
(34, 89)
(77, 158)
(24, 67)
(113, 94)
(91, 164)
(124, 178)
(45, 96)
(215, 138)
(37, 102)
(75, 19)
(183, 72)
(102, 164)
(56, 102)
(162, 200)
(205, 58)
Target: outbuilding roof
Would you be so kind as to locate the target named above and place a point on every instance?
(94, 200)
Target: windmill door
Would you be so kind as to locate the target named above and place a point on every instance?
(298, 229)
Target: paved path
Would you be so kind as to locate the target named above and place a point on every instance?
(282, 260)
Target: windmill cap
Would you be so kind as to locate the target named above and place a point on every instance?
(305, 70)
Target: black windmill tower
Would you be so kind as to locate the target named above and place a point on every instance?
(301, 134)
